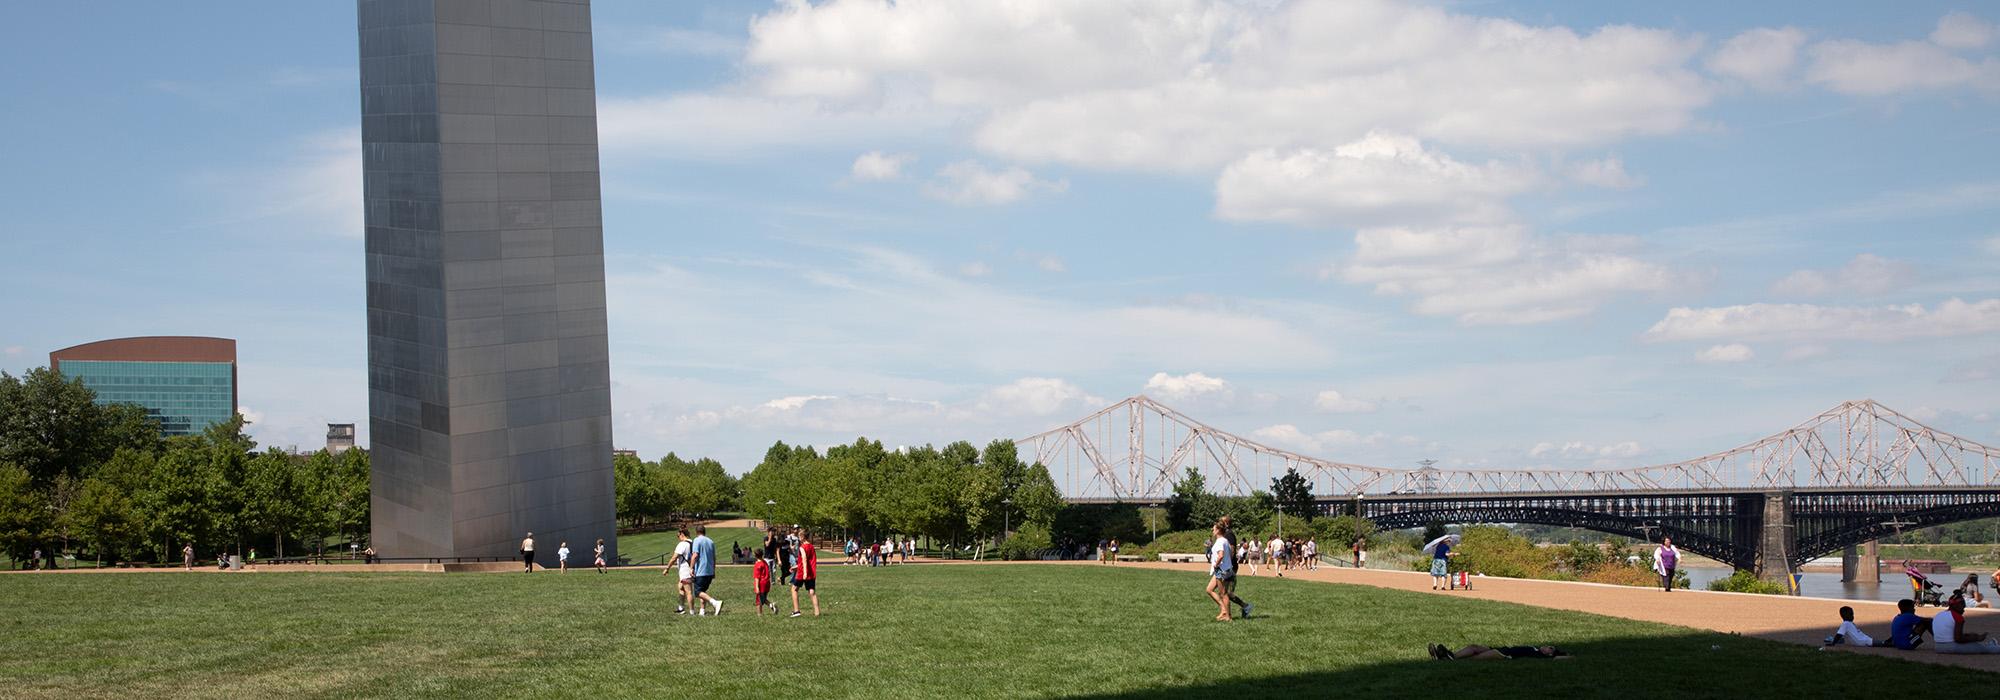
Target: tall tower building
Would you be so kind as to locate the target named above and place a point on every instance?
(489, 392)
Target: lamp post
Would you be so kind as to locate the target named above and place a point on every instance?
(770, 508)
(1006, 516)
(1152, 530)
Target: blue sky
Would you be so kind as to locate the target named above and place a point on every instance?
(1494, 234)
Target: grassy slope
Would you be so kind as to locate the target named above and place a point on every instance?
(1963, 557)
(912, 631)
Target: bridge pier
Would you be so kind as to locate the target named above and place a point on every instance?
(1775, 541)
(1863, 566)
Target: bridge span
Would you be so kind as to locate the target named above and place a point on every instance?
(1853, 474)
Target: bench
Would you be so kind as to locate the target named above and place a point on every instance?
(1130, 557)
(1181, 558)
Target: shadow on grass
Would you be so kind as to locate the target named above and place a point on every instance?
(1693, 665)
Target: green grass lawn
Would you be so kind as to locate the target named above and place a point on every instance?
(646, 545)
(909, 631)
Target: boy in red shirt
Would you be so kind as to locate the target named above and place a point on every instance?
(805, 574)
(760, 583)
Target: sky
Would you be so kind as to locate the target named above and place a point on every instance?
(1493, 234)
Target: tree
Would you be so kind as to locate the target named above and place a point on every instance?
(24, 514)
(50, 426)
(273, 497)
(1037, 496)
(1293, 494)
(1433, 530)
(1189, 498)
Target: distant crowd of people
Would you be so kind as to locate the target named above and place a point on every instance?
(791, 552)
(880, 553)
(1281, 554)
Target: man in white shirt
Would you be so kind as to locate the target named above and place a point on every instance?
(1948, 628)
(1851, 634)
(1277, 551)
(683, 558)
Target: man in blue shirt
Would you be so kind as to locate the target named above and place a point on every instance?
(1907, 630)
(704, 567)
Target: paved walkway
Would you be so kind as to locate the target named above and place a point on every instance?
(1783, 618)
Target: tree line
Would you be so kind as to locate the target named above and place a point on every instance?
(957, 493)
(659, 490)
(99, 482)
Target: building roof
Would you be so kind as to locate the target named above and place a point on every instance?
(152, 348)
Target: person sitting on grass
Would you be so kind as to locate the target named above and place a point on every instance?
(1949, 630)
(1850, 634)
(1475, 651)
(1907, 630)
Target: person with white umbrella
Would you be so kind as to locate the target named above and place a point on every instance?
(1440, 551)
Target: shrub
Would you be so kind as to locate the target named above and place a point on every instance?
(1025, 543)
(1183, 542)
(1747, 582)
(1496, 551)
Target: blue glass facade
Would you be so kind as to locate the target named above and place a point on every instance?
(186, 397)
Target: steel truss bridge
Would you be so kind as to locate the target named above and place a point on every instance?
(1855, 473)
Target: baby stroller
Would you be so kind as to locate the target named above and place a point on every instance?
(1927, 592)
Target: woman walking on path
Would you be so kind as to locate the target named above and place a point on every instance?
(600, 555)
(1222, 573)
(1664, 560)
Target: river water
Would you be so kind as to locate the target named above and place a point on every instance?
(1894, 586)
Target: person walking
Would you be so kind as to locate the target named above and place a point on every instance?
(683, 564)
(1664, 560)
(1114, 551)
(1440, 564)
(562, 556)
(760, 585)
(1277, 551)
(528, 552)
(1222, 572)
(704, 569)
(807, 577)
(1311, 552)
(187, 556)
(600, 555)
(1358, 545)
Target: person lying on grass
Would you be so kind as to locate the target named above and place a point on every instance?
(1475, 651)
(1850, 634)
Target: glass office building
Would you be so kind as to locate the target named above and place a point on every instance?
(186, 383)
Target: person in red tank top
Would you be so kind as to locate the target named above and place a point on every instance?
(805, 574)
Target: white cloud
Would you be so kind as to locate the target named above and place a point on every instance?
(1332, 402)
(1180, 84)
(1498, 275)
(1866, 274)
(876, 165)
(250, 415)
(1288, 436)
(1962, 30)
(15, 350)
(1039, 396)
(1608, 173)
(1051, 263)
(1583, 450)
(1872, 70)
(1718, 354)
(1809, 322)
(975, 269)
(1761, 57)
(969, 182)
(1186, 386)
(1382, 178)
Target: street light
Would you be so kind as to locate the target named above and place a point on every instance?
(1006, 516)
(1152, 531)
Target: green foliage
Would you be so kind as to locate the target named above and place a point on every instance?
(1178, 542)
(1434, 530)
(1292, 493)
(1025, 543)
(1189, 500)
(1338, 533)
(1497, 551)
(24, 515)
(1747, 582)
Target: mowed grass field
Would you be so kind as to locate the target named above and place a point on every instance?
(938, 630)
